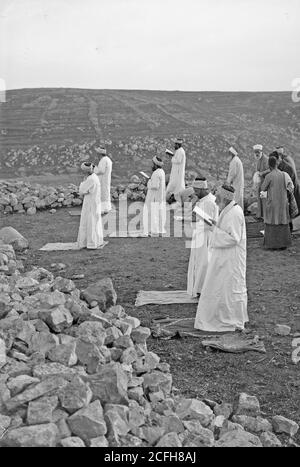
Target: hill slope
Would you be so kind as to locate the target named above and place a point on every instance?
(52, 129)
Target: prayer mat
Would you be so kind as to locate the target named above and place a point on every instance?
(233, 342)
(163, 297)
(129, 234)
(66, 246)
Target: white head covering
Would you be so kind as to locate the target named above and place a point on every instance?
(258, 147)
(233, 151)
(102, 150)
(280, 149)
(226, 193)
(86, 166)
(200, 184)
(179, 140)
(157, 162)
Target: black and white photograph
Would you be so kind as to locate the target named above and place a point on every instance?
(149, 226)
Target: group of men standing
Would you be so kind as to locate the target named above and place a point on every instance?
(217, 264)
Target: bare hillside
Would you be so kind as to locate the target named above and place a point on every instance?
(51, 130)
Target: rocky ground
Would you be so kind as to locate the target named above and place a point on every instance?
(77, 369)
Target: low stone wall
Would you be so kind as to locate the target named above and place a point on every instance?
(75, 370)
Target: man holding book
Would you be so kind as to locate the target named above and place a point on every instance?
(199, 256)
(223, 301)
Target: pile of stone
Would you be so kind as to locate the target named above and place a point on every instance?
(22, 197)
(75, 370)
(136, 190)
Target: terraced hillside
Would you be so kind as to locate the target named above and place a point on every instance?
(51, 130)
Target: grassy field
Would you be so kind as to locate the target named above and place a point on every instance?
(161, 263)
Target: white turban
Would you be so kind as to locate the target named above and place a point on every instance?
(157, 162)
(258, 147)
(227, 194)
(233, 151)
(200, 184)
(179, 140)
(102, 151)
(86, 166)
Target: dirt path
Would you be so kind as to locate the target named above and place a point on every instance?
(153, 264)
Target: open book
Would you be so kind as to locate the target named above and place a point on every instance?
(144, 175)
(203, 215)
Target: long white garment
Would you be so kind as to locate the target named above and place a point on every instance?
(223, 302)
(154, 212)
(90, 233)
(177, 175)
(103, 170)
(236, 179)
(199, 256)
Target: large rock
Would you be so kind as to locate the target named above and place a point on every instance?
(47, 386)
(19, 383)
(72, 442)
(63, 285)
(58, 319)
(102, 292)
(170, 440)
(45, 435)
(41, 410)
(89, 354)
(110, 384)
(44, 370)
(157, 381)
(92, 332)
(238, 438)
(100, 442)
(116, 417)
(253, 424)
(284, 425)
(270, 440)
(43, 342)
(12, 237)
(88, 423)
(193, 409)
(64, 354)
(205, 438)
(75, 395)
(140, 334)
(247, 405)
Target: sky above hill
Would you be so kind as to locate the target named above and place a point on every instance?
(188, 45)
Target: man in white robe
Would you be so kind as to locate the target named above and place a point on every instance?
(103, 170)
(154, 212)
(199, 256)
(90, 233)
(223, 302)
(236, 177)
(177, 175)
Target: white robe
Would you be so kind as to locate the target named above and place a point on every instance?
(223, 302)
(90, 233)
(177, 175)
(199, 256)
(103, 170)
(236, 179)
(154, 212)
